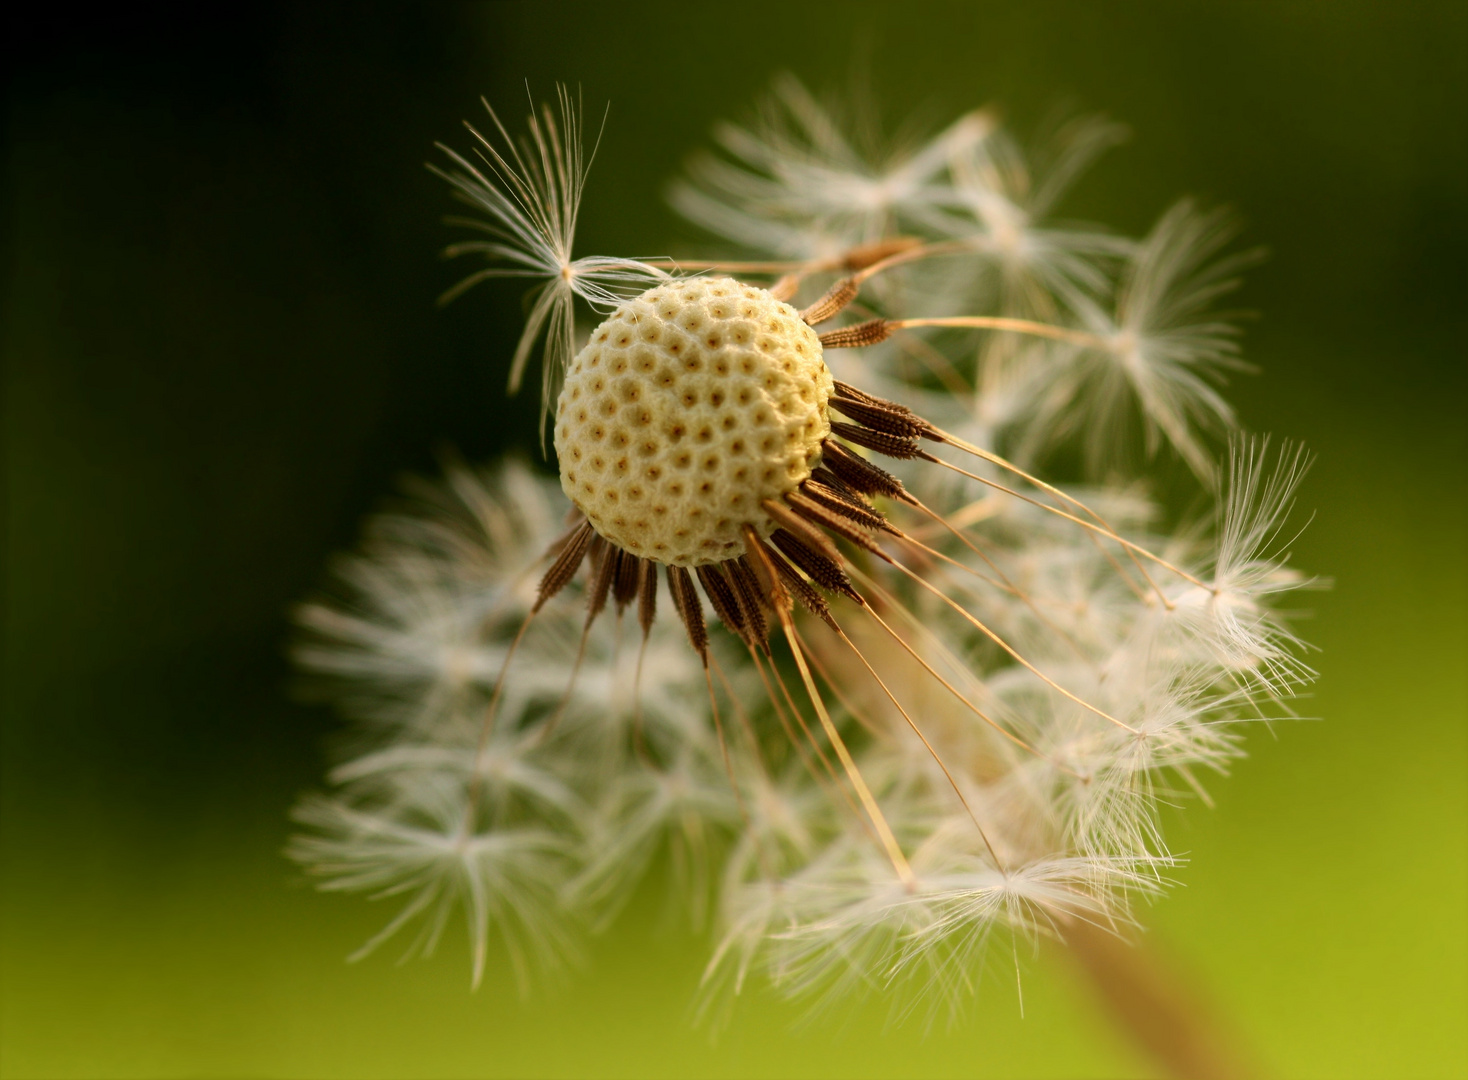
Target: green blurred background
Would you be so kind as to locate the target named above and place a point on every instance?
(221, 347)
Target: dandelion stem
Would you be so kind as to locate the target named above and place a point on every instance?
(1149, 999)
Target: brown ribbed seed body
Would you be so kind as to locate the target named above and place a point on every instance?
(688, 407)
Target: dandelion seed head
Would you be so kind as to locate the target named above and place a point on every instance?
(953, 696)
(689, 408)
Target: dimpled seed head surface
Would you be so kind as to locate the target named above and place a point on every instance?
(687, 407)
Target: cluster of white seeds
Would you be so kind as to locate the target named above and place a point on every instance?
(688, 407)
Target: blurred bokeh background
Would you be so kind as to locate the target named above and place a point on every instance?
(221, 347)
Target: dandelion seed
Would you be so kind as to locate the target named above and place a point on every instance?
(532, 194)
(796, 186)
(1161, 351)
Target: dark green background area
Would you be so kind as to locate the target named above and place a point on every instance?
(221, 347)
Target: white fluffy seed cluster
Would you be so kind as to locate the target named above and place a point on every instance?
(533, 794)
(689, 406)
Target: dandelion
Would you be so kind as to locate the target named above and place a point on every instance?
(951, 695)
